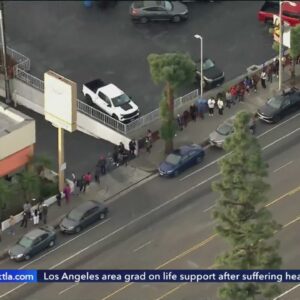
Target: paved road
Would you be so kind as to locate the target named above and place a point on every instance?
(164, 218)
(84, 44)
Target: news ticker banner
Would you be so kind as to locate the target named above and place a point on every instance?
(192, 276)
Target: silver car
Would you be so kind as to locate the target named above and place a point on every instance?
(224, 130)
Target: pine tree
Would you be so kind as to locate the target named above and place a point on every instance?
(242, 219)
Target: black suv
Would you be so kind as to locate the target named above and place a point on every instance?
(212, 75)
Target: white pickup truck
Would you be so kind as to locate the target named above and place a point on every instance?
(111, 100)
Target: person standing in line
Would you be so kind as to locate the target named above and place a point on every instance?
(24, 219)
(234, 94)
(67, 192)
(185, 117)
(211, 105)
(193, 112)
(44, 212)
(220, 105)
(132, 148)
(228, 99)
(12, 223)
(269, 72)
(58, 197)
(36, 217)
(27, 209)
(179, 122)
(263, 78)
(102, 164)
(149, 135)
(148, 144)
(115, 156)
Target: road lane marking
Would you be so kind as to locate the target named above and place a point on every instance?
(209, 208)
(64, 244)
(223, 156)
(213, 266)
(68, 288)
(287, 291)
(199, 245)
(47, 253)
(289, 193)
(280, 139)
(142, 246)
(285, 165)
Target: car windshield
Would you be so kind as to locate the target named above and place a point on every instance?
(120, 100)
(167, 5)
(25, 241)
(275, 102)
(207, 64)
(173, 159)
(74, 215)
(224, 129)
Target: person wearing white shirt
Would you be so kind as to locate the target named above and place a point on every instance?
(211, 105)
(220, 105)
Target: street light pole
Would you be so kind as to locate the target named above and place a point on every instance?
(281, 41)
(198, 36)
(3, 39)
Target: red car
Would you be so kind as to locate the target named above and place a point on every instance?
(290, 13)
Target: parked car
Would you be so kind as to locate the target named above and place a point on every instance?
(217, 137)
(212, 75)
(290, 12)
(144, 11)
(181, 159)
(279, 106)
(111, 100)
(32, 243)
(82, 216)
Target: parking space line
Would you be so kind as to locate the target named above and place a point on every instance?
(68, 288)
(285, 165)
(142, 246)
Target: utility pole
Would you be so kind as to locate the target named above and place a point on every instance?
(3, 40)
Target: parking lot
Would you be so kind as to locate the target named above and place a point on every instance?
(87, 43)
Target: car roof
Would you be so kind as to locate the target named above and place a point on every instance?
(33, 234)
(183, 150)
(146, 4)
(87, 205)
(111, 91)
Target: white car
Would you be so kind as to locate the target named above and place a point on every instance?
(111, 100)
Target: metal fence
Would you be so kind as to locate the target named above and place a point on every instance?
(98, 115)
(22, 61)
(29, 79)
(101, 117)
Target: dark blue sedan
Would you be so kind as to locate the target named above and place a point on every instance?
(181, 159)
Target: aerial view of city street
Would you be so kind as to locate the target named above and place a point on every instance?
(150, 137)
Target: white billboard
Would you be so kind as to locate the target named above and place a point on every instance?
(60, 101)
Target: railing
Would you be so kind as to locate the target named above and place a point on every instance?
(22, 61)
(101, 117)
(29, 79)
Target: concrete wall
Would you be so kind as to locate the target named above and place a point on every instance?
(33, 99)
(21, 136)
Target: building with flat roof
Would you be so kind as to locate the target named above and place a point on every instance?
(17, 139)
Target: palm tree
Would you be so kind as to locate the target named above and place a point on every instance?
(173, 70)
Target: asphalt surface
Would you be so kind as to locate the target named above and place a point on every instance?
(167, 224)
(83, 44)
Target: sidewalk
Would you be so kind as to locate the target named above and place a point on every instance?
(143, 166)
(198, 132)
